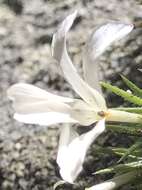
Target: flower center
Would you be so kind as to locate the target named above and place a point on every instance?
(103, 114)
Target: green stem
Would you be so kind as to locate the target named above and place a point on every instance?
(123, 116)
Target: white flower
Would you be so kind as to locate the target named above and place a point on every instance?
(114, 182)
(36, 106)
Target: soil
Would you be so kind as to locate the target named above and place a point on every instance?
(27, 152)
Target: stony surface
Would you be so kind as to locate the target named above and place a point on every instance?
(28, 153)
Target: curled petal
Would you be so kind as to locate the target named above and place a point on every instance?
(59, 52)
(58, 41)
(73, 149)
(66, 136)
(97, 44)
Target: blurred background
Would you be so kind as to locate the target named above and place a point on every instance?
(28, 153)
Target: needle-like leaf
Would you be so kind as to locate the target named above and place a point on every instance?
(126, 95)
(137, 91)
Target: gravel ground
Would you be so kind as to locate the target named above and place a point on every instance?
(28, 153)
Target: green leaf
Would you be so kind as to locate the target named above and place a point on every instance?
(126, 95)
(137, 91)
(131, 110)
(137, 154)
(133, 130)
(121, 168)
(103, 150)
(135, 146)
(138, 184)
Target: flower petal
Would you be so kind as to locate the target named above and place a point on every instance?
(84, 113)
(73, 149)
(47, 118)
(97, 44)
(32, 93)
(31, 101)
(59, 52)
(66, 136)
(58, 41)
(34, 105)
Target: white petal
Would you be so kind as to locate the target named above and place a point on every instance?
(97, 44)
(114, 182)
(140, 70)
(30, 101)
(66, 136)
(58, 40)
(47, 118)
(73, 149)
(106, 34)
(30, 93)
(60, 53)
(84, 113)
(36, 106)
